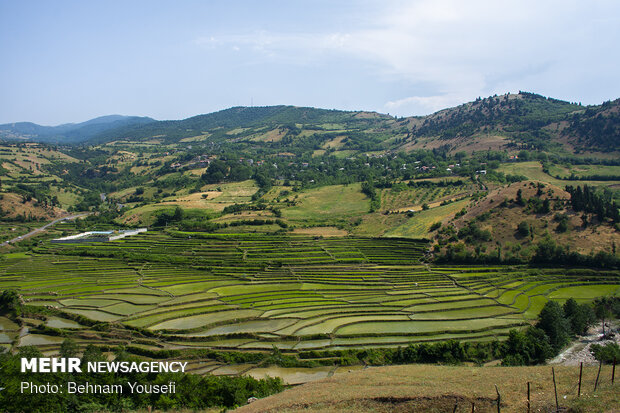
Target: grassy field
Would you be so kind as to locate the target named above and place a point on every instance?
(432, 388)
(325, 203)
(533, 170)
(405, 198)
(419, 224)
(213, 198)
(584, 170)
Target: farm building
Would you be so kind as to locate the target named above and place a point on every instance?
(98, 236)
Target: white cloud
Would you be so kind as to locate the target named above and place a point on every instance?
(425, 104)
(447, 51)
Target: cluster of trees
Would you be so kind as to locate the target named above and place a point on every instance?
(607, 353)
(594, 201)
(597, 127)
(264, 183)
(219, 171)
(94, 175)
(368, 188)
(40, 192)
(10, 303)
(166, 217)
(546, 251)
(203, 225)
(555, 327)
(472, 233)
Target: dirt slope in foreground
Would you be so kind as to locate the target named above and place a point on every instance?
(429, 388)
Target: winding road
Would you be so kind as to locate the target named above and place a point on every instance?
(43, 228)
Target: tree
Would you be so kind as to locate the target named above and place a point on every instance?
(519, 199)
(580, 317)
(603, 309)
(526, 347)
(216, 172)
(69, 348)
(523, 229)
(178, 214)
(553, 322)
(460, 156)
(10, 303)
(92, 353)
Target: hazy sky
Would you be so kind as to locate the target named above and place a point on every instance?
(69, 61)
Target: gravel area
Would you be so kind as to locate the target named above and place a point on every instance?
(579, 351)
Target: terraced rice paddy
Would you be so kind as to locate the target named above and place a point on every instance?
(254, 292)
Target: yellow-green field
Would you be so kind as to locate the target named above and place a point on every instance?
(328, 202)
(533, 170)
(419, 224)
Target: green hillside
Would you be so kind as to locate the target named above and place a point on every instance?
(525, 120)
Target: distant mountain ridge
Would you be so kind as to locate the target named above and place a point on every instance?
(518, 121)
(70, 132)
(222, 122)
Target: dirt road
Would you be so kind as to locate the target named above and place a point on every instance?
(43, 228)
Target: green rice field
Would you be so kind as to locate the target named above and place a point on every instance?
(254, 292)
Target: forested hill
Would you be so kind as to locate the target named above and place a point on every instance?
(528, 120)
(511, 121)
(229, 122)
(507, 122)
(69, 132)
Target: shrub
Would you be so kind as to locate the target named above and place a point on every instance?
(607, 353)
(523, 229)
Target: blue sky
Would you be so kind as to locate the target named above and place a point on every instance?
(69, 61)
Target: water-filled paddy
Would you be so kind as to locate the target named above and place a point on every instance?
(39, 340)
(56, 322)
(204, 319)
(256, 326)
(6, 324)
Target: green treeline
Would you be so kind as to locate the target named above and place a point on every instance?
(546, 252)
(368, 188)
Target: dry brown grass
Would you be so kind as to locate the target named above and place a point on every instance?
(195, 200)
(431, 388)
(335, 143)
(470, 144)
(503, 223)
(434, 204)
(13, 206)
(274, 135)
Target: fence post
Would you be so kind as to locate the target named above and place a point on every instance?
(555, 390)
(600, 364)
(499, 400)
(456, 404)
(473, 407)
(613, 371)
(528, 397)
(580, 373)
